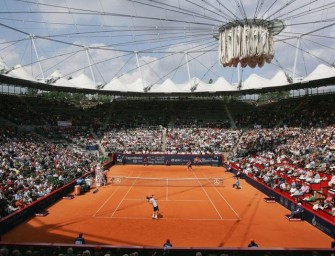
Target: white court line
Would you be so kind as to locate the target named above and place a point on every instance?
(208, 197)
(167, 200)
(134, 218)
(238, 217)
(117, 207)
(164, 218)
(167, 190)
(228, 204)
(94, 215)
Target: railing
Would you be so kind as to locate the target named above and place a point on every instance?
(56, 249)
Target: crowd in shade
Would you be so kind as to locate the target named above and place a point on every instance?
(105, 251)
(62, 251)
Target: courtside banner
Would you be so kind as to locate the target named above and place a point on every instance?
(92, 147)
(64, 123)
(162, 159)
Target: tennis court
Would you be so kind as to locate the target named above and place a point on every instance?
(199, 208)
(191, 196)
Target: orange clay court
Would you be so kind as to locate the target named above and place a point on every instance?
(193, 215)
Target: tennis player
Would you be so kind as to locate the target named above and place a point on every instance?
(237, 184)
(189, 165)
(154, 204)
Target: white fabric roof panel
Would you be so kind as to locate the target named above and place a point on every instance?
(168, 86)
(279, 79)
(57, 79)
(22, 73)
(3, 66)
(321, 71)
(220, 84)
(63, 82)
(253, 82)
(138, 85)
(83, 81)
(114, 85)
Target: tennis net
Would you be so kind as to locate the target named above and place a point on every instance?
(166, 182)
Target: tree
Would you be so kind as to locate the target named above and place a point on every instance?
(273, 96)
(32, 92)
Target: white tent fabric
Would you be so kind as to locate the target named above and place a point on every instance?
(57, 79)
(195, 83)
(3, 66)
(22, 73)
(114, 85)
(255, 82)
(187, 86)
(54, 76)
(64, 83)
(220, 84)
(279, 79)
(167, 86)
(82, 81)
(321, 71)
(138, 85)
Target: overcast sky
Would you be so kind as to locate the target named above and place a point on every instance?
(166, 38)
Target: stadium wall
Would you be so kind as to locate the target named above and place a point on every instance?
(315, 218)
(57, 249)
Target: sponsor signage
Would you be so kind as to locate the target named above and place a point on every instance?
(154, 159)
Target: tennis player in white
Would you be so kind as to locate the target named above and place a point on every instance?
(154, 204)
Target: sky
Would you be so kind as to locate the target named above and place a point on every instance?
(157, 40)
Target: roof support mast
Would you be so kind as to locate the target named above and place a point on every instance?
(37, 57)
(298, 42)
(296, 58)
(188, 67)
(139, 68)
(90, 65)
(239, 79)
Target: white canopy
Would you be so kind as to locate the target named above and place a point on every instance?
(83, 81)
(321, 71)
(22, 73)
(253, 82)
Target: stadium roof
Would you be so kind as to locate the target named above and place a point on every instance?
(321, 76)
(160, 47)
